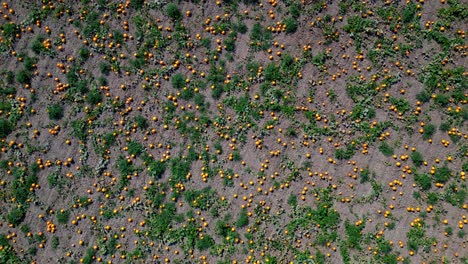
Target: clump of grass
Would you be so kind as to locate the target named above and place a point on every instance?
(55, 111)
(94, 97)
(63, 216)
(424, 181)
(84, 54)
(16, 215)
(141, 122)
(104, 67)
(386, 149)
(172, 11)
(243, 219)
(417, 158)
(429, 131)
(344, 153)
(24, 76)
(442, 174)
(260, 37)
(205, 243)
(291, 25)
(423, 96)
(178, 81)
(137, 4)
(5, 128)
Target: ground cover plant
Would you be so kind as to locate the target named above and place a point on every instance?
(233, 131)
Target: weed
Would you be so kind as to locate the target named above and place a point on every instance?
(55, 111)
(172, 11)
(429, 131)
(104, 68)
(141, 122)
(178, 81)
(291, 25)
(354, 234)
(417, 158)
(24, 77)
(84, 54)
(63, 216)
(424, 181)
(260, 37)
(442, 174)
(386, 149)
(5, 128)
(16, 215)
(243, 219)
(204, 243)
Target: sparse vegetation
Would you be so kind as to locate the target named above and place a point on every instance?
(233, 131)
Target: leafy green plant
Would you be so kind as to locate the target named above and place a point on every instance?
(88, 257)
(364, 175)
(241, 27)
(104, 68)
(295, 10)
(417, 238)
(9, 30)
(55, 111)
(356, 26)
(429, 131)
(461, 233)
(292, 200)
(94, 97)
(202, 199)
(442, 174)
(272, 72)
(386, 149)
(409, 12)
(55, 242)
(24, 76)
(205, 243)
(156, 169)
(178, 81)
(16, 215)
(401, 104)
(260, 37)
(5, 127)
(141, 122)
(30, 63)
(243, 219)
(417, 158)
(442, 99)
(84, 53)
(291, 25)
(172, 11)
(179, 169)
(137, 4)
(37, 45)
(353, 234)
(63, 216)
(53, 179)
(320, 59)
(236, 156)
(344, 153)
(424, 181)
(449, 230)
(135, 148)
(445, 126)
(423, 96)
